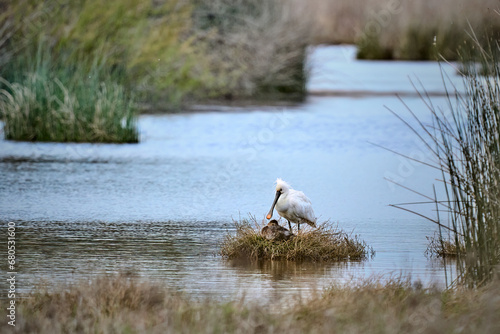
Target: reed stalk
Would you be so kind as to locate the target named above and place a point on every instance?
(466, 145)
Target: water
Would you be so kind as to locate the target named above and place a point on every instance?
(159, 208)
(336, 72)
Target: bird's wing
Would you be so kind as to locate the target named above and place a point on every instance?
(302, 206)
(299, 195)
(308, 214)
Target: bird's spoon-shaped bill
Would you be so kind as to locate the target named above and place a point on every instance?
(270, 214)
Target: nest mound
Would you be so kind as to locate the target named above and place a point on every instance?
(325, 243)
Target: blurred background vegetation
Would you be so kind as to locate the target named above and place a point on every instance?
(405, 30)
(69, 62)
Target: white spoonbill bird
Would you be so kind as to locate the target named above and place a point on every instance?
(292, 205)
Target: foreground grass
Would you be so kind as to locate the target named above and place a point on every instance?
(326, 243)
(120, 304)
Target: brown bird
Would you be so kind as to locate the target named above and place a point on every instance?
(273, 231)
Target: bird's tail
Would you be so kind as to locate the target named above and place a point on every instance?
(310, 223)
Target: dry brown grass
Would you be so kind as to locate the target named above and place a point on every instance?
(325, 243)
(402, 29)
(439, 247)
(254, 48)
(121, 304)
(398, 306)
(343, 21)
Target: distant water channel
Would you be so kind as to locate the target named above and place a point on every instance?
(158, 209)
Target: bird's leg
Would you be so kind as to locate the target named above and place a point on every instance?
(298, 228)
(290, 226)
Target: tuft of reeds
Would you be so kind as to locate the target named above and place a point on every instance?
(67, 105)
(325, 243)
(465, 142)
(124, 304)
(443, 248)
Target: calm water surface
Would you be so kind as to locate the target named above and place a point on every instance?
(159, 208)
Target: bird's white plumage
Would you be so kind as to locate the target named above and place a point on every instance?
(294, 205)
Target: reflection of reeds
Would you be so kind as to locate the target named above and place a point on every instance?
(121, 304)
(325, 243)
(466, 145)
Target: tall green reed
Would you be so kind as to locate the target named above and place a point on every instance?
(466, 144)
(72, 104)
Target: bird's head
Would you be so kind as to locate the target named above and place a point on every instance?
(281, 188)
(272, 222)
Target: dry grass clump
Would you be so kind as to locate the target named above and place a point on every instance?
(121, 304)
(440, 247)
(325, 243)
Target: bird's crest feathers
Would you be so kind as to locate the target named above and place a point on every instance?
(282, 185)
